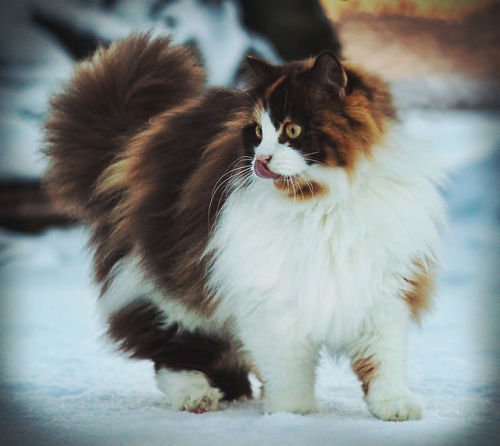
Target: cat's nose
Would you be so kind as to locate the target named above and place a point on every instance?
(264, 159)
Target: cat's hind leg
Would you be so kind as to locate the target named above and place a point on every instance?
(196, 369)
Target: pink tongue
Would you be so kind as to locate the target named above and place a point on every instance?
(262, 171)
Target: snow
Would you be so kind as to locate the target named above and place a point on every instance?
(62, 383)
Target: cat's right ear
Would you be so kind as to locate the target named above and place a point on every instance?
(262, 71)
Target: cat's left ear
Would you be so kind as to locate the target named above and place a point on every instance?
(263, 71)
(328, 70)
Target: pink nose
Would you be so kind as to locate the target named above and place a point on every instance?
(264, 159)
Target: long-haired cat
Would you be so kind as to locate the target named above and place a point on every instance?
(243, 230)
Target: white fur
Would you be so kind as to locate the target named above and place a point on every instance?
(187, 390)
(126, 286)
(285, 160)
(130, 284)
(296, 275)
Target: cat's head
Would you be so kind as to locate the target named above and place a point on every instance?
(313, 114)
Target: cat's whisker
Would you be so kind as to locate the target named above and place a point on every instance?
(294, 191)
(309, 184)
(224, 184)
(228, 183)
(241, 158)
(309, 158)
(223, 179)
(287, 183)
(300, 188)
(296, 181)
(225, 173)
(236, 186)
(246, 180)
(220, 182)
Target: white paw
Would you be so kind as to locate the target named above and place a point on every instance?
(395, 407)
(189, 391)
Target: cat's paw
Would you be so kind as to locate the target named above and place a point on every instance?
(404, 406)
(188, 390)
(201, 403)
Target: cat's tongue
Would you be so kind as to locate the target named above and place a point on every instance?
(262, 171)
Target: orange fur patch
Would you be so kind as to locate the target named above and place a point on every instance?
(299, 189)
(418, 297)
(365, 369)
(362, 123)
(113, 177)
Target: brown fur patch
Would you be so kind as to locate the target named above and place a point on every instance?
(172, 173)
(272, 87)
(418, 297)
(365, 369)
(367, 111)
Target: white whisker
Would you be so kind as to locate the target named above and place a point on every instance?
(309, 184)
(242, 178)
(224, 179)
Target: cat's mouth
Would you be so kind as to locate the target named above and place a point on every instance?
(261, 170)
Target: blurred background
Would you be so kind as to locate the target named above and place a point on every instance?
(59, 381)
(436, 54)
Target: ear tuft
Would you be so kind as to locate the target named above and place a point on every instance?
(263, 71)
(327, 68)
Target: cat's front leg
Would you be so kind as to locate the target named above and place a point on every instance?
(378, 357)
(286, 363)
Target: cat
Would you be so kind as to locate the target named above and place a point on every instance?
(241, 231)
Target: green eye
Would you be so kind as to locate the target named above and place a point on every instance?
(258, 131)
(293, 130)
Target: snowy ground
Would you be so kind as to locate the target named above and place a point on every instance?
(62, 384)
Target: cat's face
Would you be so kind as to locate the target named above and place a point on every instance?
(311, 115)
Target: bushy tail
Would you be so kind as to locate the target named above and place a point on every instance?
(110, 96)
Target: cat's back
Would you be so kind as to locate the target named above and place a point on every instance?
(166, 176)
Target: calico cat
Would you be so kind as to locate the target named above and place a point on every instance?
(239, 231)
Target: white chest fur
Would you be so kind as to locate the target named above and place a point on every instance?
(322, 264)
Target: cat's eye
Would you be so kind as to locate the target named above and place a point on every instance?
(293, 130)
(258, 131)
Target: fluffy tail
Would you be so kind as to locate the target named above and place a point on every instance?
(109, 98)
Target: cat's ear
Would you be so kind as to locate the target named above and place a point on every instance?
(328, 70)
(263, 71)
